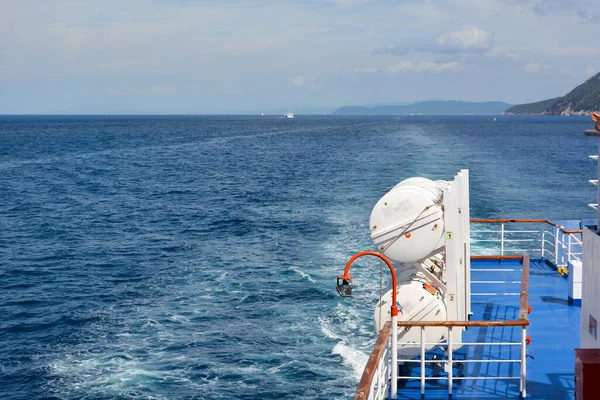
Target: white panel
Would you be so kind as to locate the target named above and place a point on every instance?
(456, 222)
(452, 253)
(590, 300)
(575, 271)
(466, 218)
(576, 291)
(462, 182)
(570, 285)
(460, 248)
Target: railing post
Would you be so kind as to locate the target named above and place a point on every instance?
(556, 246)
(389, 361)
(372, 391)
(450, 363)
(394, 388)
(562, 248)
(569, 248)
(543, 243)
(502, 239)
(523, 384)
(422, 361)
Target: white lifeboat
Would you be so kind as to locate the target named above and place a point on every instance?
(407, 223)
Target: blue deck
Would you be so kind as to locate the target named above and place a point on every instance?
(554, 333)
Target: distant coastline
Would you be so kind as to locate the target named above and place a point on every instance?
(449, 107)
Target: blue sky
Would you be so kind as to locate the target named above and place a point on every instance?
(232, 56)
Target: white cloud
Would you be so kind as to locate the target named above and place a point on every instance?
(298, 81)
(408, 66)
(499, 52)
(164, 52)
(534, 67)
(369, 70)
(468, 38)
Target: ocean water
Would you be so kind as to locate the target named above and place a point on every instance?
(183, 257)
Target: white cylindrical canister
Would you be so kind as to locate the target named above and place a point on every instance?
(407, 223)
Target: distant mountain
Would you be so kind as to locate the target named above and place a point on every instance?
(451, 107)
(306, 110)
(582, 100)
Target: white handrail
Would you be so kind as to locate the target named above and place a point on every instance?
(561, 252)
(449, 361)
(382, 382)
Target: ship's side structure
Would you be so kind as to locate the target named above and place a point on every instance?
(499, 323)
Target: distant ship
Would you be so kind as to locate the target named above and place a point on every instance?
(289, 114)
(262, 114)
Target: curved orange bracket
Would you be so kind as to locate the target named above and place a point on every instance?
(390, 266)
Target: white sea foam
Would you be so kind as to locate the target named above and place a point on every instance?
(352, 358)
(100, 374)
(110, 375)
(326, 329)
(223, 276)
(303, 274)
(177, 318)
(280, 366)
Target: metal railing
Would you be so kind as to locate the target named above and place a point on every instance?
(567, 254)
(551, 241)
(449, 361)
(374, 383)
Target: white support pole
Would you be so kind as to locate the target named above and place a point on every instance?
(394, 385)
(523, 362)
(562, 248)
(543, 243)
(569, 248)
(450, 363)
(556, 245)
(502, 239)
(422, 361)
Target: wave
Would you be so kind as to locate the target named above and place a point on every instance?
(352, 358)
(303, 274)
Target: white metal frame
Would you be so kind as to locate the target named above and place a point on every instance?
(457, 248)
(559, 245)
(381, 386)
(380, 383)
(449, 361)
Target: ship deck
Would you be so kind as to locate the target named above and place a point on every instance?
(554, 331)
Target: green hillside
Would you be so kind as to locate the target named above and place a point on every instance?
(540, 107)
(582, 100)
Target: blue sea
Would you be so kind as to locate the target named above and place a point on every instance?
(195, 257)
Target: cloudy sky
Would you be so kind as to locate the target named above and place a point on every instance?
(230, 56)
